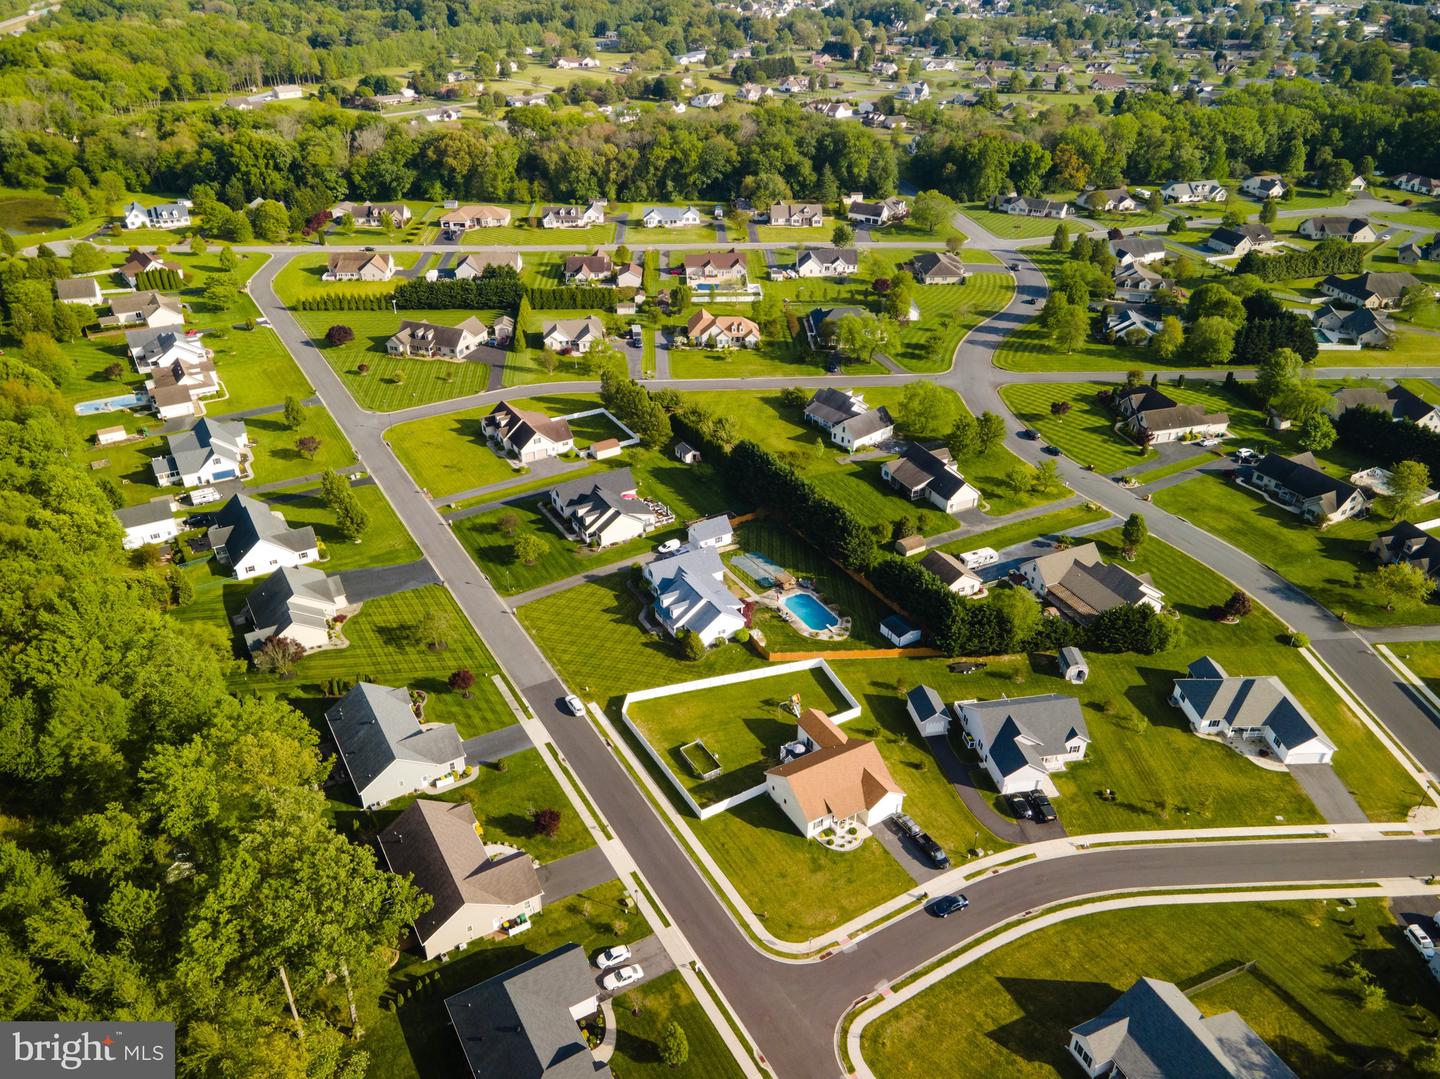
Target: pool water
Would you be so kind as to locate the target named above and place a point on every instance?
(109, 404)
(814, 614)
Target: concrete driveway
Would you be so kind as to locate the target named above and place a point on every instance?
(649, 954)
(1336, 804)
(574, 873)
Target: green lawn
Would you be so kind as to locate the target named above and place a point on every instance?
(384, 543)
(394, 382)
(743, 724)
(637, 1047)
(1056, 523)
(1422, 657)
(1016, 227)
(256, 371)
(774, 361)
(1332, 565)
(301, 278)
(785, 233)
(1009, 1012)
(947, 314)
(276, 457)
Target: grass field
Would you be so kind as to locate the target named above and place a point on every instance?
(301, 278)
(1016, 227)
(384, 543)
(743, 724)
(1009, 1012)
(1049, 524)
(665, 1000)
(947, 314)
(1330, 565)
(276, 457)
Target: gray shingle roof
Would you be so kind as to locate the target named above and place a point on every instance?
(374, 726)
(1007, 725)
(1243, 701)
(243, 522)
(271, 606)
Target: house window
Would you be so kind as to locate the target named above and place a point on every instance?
(1079, 1051)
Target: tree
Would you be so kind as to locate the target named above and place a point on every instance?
(1133, 629)
(862, 336)
(228, 259)
(271, 221)
(674, 1046)
(307, 446)
(1059, 408)
(1238, 605)
(1021, 614)
(432, 629)
(1269, 212)
(461, 681)
(1070, 326)
(294, 412)
(1402, 585)
(221, 293)
(842, 235)
(278, 655)
(1211, 340)
(1169, 339)
(529, 548)
(508, 523)
(1060, 241)
(1213, 300)
(928, 410)
(1020, 478)
(1409, 481)
(1277, 374)
(930, 210)
(351, 518)
(989, 431)
(692, 645)
(964, 437)
(40, 351)
(338, 335)
(1047, 476)
(1317, 432)
(198, 246)
(1133, 534)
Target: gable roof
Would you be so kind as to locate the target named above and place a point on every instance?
(146, 513)
(374, 726)
(711, 528)
(922, 468)
(947, 567)
(1337, 226)
(715, 260)
(925, 701)
(1301, 476)
(832, 406)
(243, 522)
(867, 423)
(294, 595)
(616, 481)
(1087, 590)
(828, 255)
(937, 264)
(1406, 542)
(1382, 286)
(1138, 246)
(521, 426)
(1249, 701)
(448, 338)
(838, 779)
(1400, 403)
(1019, 732)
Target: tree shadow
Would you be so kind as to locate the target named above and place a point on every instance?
(640, 1050)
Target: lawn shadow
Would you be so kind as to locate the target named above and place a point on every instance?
(634, 1048)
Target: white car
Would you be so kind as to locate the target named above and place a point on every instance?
(572, 702)
(1421, 941)
(613, 957)
(1245, 453)
(1209, 442)
(670, 546)
(619, 979)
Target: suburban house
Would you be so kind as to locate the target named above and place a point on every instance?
(1109, 200)
(465, 218)
(877, 214)
(1414, 182)
(921, 473)
(722, 330)
(149, 522)
(143, 262)
(1263, 187)
(574, 334)
(1372, 290)
(1082, 587)
(631, 275)
(388, 753)
(604, 510)
(359, 266)
(527, 436)
(84, 290)
(1337, 325)
(715, 267)
(297, 603)
(1129, 324)
(714, 532)
(211, 451)
(569, 63)
(1025, 206)
(1137, 283)
(1022, 740)
(928, 712)
(711, 100)
(690, 594)
(828, 407)
(430, 341)
(866, 429)
(1154, 1030)
(1397, 402)
(1194, 191)
(670, 217)
(176, 389)
(1129, 250)
(522, 1024)
(167, 215)
(1149, 414)
(588, 269)
(150, 349)
(1240, 239)
(831, 780)
(1413, 251)
(827, 262)
(937, 268)
(437, 845)
(1408, 543)
(251, 538)
(1355, 229)
(474, 265)
(1250, 707)
(822, 325)
(372, 215)
(150, 309)
(913, 92)
(798, 215)
(572, 217)
(1299, 484)
(954, 574)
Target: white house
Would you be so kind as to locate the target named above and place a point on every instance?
(1194, 191)
(1077, 583)
(829, 780)
(1250, 707)
(899, 632)
(928, 712)
(359, 266)
(669, 217)
(527, 436)
(178, 389)
(1147, 412)
(954, 574)
(141, 262)
(923, 474)
(690, 594)
(1129, 250)
(722, 331)
(298, 603)
(431, 341)
(211, 451)
(477, 890)
(1263, 187)
(1021, 741)
(574, 334)
(149, 309)
(876, 214)
(161, 347)
(79, 290)
(604, 510)
(827, 262)
(167, 215)
(387, 752)
(866, 429)
(573, 217)
(714, 532)
(251, 538)
(149, 522)
(1073, 667)
(465, 218)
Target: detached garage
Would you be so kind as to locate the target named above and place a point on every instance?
(927, 711)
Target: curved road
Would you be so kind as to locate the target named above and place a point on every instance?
(792, 1009)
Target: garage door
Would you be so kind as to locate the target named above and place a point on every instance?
(1308, 758)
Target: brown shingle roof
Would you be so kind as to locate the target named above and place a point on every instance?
(841, 779)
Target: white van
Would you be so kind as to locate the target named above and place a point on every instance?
(984, 556)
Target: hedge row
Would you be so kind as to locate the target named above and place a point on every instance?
(1326, 257)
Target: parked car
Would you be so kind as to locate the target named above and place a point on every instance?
(619, 979)
(670, 546)
(936, 853)
(1044, 811)
(947, 905)
(1207, 442)
(1245, 453)
(906, 825)
(1053, 451)
(572, 703)
(613, 957)
(1421, 941)
(1019, 807)
(1026, 432)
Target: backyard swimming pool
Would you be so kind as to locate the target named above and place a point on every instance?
(814, 614)
(109, 404)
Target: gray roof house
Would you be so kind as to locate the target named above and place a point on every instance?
(1397, 402)
(1081, 586)
(827, 407)
(476, 893)
(827, 262)
(927, 711)
(937, 268)
(690, 594)
(1139, 249)
(1258, 707)
(297, 602)
(386, 750)
(1408, 543)
(711, 532)
(1022, 740)
(604, 509)
(522, 1024)
(78, 290)
(251, 538)
(922, 473)
(211, 451)
(149, 522)
(956, 576)
(1298, 483)
(1153, 1032)
(1373, 290)
(863, 430)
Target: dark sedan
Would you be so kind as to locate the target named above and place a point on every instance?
(947, 905)
(1019, 807)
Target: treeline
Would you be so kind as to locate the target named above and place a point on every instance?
(497, 288)
(577, 297)
(1327, 257)
(163, 280)
(1374, 435)
(764, 69)
(344, 301)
